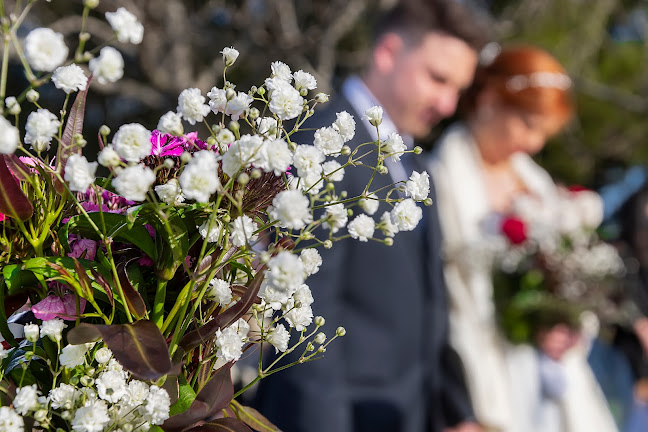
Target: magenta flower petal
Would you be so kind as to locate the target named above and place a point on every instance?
(48, 308)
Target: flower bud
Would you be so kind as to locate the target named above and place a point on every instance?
(328, 244)
(340, 331)
(84, 37)
(418, 150)
(306, 235)
(374, 115)
(185, 157)
(253, 90)
(256, 173)
(321, 349)
(32, 95)
(103, 355)
(127, 427)
(243, 179)
(303, 92)
(104, 130)
(230, 94)
(31, 332)
(310, 347)
(265, 256)
(226, 218)
(346, 150)
(349, 212)
(321, 97)
(66, 415)
(383, 170)
(13, 107)
(389, 241)
(261, 91)
(234, 126)
(427, 201)
(344, 194)
(90, 371)
(320, 338)
(91, 4)
(319, 321)
(254, 113)
(86, 381)
(79, 140)
(229, 56)
(211, 141)
(330, 187)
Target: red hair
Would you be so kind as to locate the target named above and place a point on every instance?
(511, 76)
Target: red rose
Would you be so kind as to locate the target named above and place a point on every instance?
(515, 230)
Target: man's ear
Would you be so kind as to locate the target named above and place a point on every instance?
(387, 51)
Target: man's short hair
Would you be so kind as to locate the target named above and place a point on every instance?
(413, 19)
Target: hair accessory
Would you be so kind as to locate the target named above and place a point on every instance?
(555, 80)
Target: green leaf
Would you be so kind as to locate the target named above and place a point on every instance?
(254, 419)
(186, 396)
(4, 314)
(139, 347)
(13, 202)
(117, 227)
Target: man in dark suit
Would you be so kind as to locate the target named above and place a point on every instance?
(394, 370)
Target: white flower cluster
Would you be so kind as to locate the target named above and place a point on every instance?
(108, 399)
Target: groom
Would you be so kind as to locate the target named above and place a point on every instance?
(394, 370)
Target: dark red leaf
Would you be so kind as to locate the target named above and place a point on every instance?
(13, 201)
(227, 424)
(255, 419)
(134, 300)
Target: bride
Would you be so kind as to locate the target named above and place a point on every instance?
(481, 168)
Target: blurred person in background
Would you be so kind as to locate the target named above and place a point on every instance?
(481, 167)
(394, 370)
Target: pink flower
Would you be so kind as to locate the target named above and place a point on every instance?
(82, 248)
(54, 306)
(169, 145)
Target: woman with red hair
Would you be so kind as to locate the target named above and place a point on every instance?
(521, 96)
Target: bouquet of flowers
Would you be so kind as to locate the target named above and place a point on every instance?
(126, 299)
(550, 265)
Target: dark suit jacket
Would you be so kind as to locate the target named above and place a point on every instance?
(393, 371)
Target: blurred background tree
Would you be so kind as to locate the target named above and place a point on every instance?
(602, 44)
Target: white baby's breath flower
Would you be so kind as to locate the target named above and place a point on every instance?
(217, 100)
(92, 417)
(304, 80)
(219, 291)
(63, 396)
(32, 332)
(132, 142)
(298, 317)
(243, 228)
(10, 421)
(170, 192)
(45, 50)
(386, 225)
(136, 393)
(278, 156)
(53, 329)
(111, 386)
(158, 404)
(134, 182)
(79, 173)
(70, 78)
(199, 179)
(285, 100)
(311, 183)
(171, 123)
(362, 227)
(291, 209)
(103, 355)
(225, 137)
(279, 337)
(312, 260)
(4, 353)
(9, 137)
(418, 186)
(406, 215)
(214, 234)
(126, 25)
(229, 341)
(108, 157)
(329, 141)
(336, 217)
(73, 355)
(108, 67)
(191, 105)
(41, 127)
(26, 399)
(243, 153)
(281, 70)
(237, 105)
(370, 204)
(229, 55)
(308, 160)
(285, 272)
(394, 146)
(333, 170)
(374, 115)
(345, 125)
(267, 126)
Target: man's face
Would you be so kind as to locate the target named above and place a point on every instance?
(425, 81)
